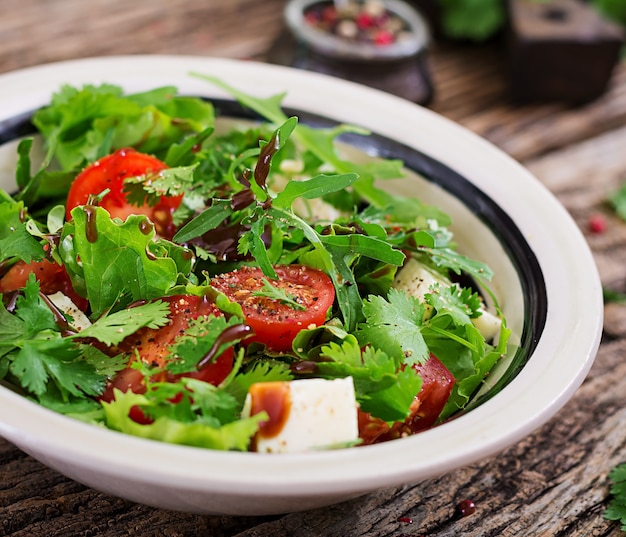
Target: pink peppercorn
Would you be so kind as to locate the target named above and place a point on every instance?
(384, 37)
(365, 20)
(597, 223)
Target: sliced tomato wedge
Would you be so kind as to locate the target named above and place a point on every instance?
(51, 276)
(276, 322)
(152, 345)
(437, 384)
(109, 173)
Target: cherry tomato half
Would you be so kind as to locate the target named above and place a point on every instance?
(276, 323)
(110, 172)
(437, 384)
(152, 345)
(52, 278)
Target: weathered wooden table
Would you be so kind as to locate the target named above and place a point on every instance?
(553, 483)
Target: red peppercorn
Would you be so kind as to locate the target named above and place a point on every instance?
(466, 508)
(597, 223)
(384, 37)
(365, 20)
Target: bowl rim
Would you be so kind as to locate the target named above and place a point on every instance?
(563, 354)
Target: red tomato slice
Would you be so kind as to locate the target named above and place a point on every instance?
(437, 384)
(151, 345)
(275, 323)
(110, 172)
(52, 278)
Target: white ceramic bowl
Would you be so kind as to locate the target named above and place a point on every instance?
(546, 281)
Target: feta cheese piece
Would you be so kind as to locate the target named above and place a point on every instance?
(304, 414)
(417, 280)
(488, 325)
(79, 320)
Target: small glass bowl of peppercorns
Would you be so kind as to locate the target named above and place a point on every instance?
(380, 43)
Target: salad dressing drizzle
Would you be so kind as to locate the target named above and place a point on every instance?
(232, 333)
(59, 318)
(91, 230)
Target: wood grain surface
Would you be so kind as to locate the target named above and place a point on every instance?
(553, 483)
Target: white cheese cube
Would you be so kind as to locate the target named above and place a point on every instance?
(67, 306)
(488, 325)
(417, 280)
(304, 414)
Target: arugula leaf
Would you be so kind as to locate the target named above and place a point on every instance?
(315, 187)
(450, 259)
(364, 245)
(215, 214)
(321, 143)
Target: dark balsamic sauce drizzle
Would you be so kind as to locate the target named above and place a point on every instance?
(59, 317)
(232, 333)
(91, 229)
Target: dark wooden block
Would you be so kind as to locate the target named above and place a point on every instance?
(560, 50)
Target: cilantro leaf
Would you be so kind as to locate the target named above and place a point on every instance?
(31, 309)
(616, 509)
(394, 326)
(198, 341)
(59, 361)
(113, 328)
(380, 388)
(462, 304)
(260, 371)
(150, 187)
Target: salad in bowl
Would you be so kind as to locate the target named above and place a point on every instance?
(232, 285)
(270, 300)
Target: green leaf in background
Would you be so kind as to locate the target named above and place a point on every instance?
(472, 19)
(616, 509)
